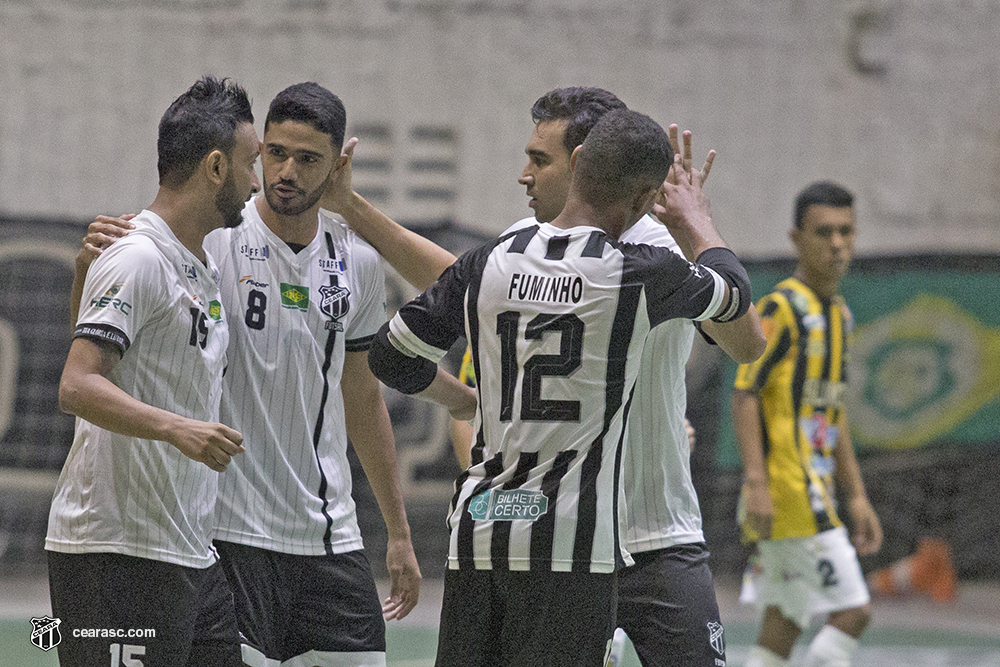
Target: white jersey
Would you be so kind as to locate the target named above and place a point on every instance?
(662, 506)
(294, 316)
(153, 299)
(556, 320)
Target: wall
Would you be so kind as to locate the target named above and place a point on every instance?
(897, 100)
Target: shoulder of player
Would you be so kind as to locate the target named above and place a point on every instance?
(520, 224)
(650, 232)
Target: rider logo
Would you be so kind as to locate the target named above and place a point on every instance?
(45, 632)
(716, 637)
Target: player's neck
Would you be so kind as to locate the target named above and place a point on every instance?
(825, 288)
(295, 229)
(578, 213)
(187, 216)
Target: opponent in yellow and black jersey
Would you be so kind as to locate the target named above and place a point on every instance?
(800, 385)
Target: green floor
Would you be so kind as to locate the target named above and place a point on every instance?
(414, 647)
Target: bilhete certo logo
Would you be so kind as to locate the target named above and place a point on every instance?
(45, 632)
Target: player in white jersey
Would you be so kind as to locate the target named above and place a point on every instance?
(307, 295)
(556, 316)
(131, 522)
(667, 600)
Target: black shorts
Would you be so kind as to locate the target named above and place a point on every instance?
(288, 605)
(107, 603)
(498, 618)
(667, 607)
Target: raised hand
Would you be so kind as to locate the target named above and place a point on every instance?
(337, 195)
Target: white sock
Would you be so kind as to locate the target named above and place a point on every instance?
(762, 657)
(832, 647)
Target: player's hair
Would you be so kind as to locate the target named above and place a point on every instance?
(625, 154)
(312, 104)
(823, 193)
(198, 122)
(580, 107)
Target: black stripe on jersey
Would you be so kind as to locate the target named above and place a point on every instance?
(522, 239)
(619, 450)
(500, 542)
(595, 245)
(543, 530)
(770, 308)
(614, 391)
(556, 248)
(105, 333)
(359, 344)
(777, 354)
(331, 340)
(466, 524)
(828, 338)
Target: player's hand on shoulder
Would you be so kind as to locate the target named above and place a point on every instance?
(101, 233)
(404, 579)
(759, 508)
(337, 195)
(213, 444)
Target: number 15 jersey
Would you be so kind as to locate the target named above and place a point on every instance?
(556, 320)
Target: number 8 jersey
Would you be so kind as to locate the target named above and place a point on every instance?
(293, 317)
(556, 320)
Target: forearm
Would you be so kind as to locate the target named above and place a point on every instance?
(96, 399)
(419, 260)
(749, 438)
(742, 339)
(76, 293)
(449, 391)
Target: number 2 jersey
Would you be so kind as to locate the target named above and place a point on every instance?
(799, 382)
(556, 320)
(160, 306)
(293, 317)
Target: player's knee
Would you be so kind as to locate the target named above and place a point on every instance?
(852, 621)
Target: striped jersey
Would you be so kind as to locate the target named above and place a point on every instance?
(556, 320)
(294, 315)
(800, 382)
(661, 502)
(150, 297)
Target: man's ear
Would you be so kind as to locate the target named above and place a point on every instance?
(573, 156)
(643, 202)
(794, 234)
(216, 166)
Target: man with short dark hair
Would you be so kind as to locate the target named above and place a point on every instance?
(308, 295)
(794, 439)
(667, 600)
(557, 316)
(131, 523)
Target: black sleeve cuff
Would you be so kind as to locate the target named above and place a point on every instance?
(408, 375)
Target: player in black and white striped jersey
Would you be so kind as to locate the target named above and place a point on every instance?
(556, 316)
(131, 522)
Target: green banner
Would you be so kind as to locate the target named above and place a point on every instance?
(925, 366)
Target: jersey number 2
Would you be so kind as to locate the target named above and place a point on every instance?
(538, 366)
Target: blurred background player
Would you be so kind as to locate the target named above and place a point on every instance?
(794, 440)
(131, 523)
(307, 296)
(667, 601)
(553, 557)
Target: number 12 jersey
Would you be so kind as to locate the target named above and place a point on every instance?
(556, 320)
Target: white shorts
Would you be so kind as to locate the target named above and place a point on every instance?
(806, 576)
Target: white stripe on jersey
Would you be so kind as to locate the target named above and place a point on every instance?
(293, 314)
(138, 497)
(662, 506)
(555, 368)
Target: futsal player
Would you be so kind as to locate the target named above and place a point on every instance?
(130, 527)
(556, 316)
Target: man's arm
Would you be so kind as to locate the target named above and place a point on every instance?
(419, 260)
(370, 431)
(86, 391)
(749, 438)
(867, 533)
(742, 339)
